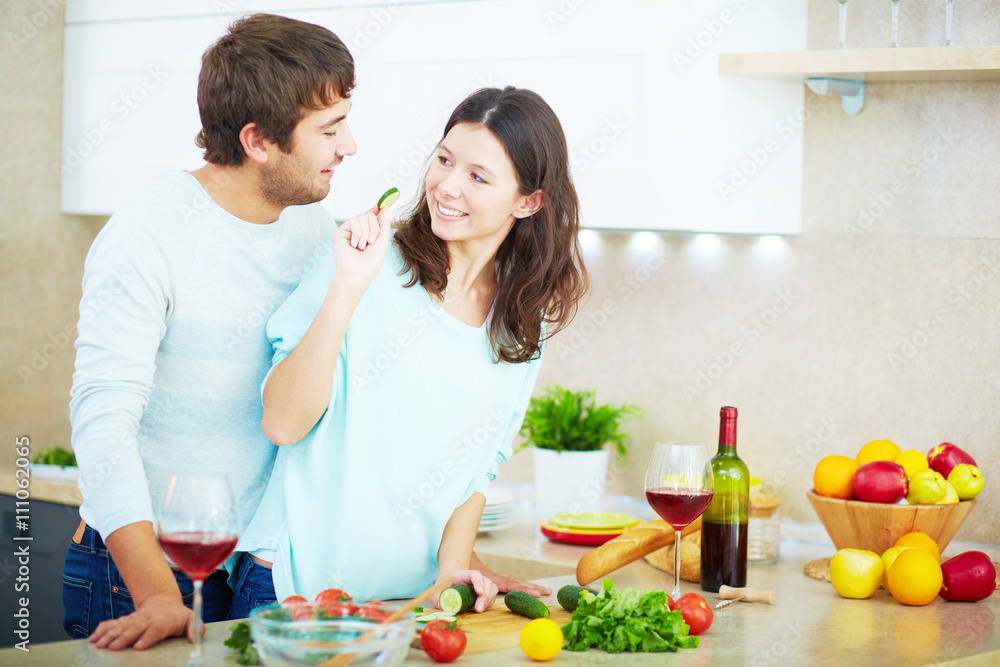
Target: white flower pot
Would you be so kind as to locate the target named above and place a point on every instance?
(569, 481)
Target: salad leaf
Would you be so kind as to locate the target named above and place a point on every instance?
(239, 641)
(56, 456)
(628, 619)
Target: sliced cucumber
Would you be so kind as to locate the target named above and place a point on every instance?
(569, 596)
(457, 599)
(388, 199)
(521, 603)
(435, 616)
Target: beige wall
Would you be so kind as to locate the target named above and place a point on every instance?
(821, 377)
(41, 250)
(816, 379)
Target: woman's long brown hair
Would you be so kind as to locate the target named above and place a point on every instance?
(539, 269)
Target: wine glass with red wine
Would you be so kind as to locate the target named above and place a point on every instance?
(198, 528)
(679, 487)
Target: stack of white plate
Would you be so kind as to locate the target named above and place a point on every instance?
(498, 512)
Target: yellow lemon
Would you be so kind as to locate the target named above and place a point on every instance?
(888, 558)
(912, 462)
(541, 639)
(856, 573)
(878, 450)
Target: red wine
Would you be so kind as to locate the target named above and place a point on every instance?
(724, 559)
(724, 524)
(678, 507)
(198, 554)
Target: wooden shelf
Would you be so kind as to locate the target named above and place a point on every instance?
(954, 63)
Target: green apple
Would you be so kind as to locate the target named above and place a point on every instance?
(967, 480)
(951, 496)
(926, 488)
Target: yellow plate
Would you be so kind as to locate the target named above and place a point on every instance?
(594, 520)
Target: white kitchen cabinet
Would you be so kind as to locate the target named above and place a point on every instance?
(657, 139)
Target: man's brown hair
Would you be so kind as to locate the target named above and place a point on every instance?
(269, 70)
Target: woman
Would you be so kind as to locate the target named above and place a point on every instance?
(404, 362)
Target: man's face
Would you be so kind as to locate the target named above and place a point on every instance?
(319, 143)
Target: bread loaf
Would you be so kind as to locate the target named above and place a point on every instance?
(630, 546)
(690, 558)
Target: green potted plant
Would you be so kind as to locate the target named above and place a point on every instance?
(568, 432)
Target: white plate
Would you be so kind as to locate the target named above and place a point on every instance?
(484, 528)
(46, 471)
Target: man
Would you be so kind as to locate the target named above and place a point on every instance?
(177, 287)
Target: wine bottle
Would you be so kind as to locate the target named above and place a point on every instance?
(724, 524)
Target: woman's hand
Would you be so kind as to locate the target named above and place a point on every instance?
(486, 590)
(508, 584)
(360, 244)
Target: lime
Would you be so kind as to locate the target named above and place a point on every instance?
(388, 199)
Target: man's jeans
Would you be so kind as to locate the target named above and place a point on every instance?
(94, 591)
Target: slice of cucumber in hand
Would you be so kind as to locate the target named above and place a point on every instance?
(388, 199)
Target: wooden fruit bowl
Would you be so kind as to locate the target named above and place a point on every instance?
(854, 524)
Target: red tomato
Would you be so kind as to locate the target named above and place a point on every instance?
(332, 595)
(671, 604)
(442, 641)
(373, 611)
(696, 612)
(335, 603)
(294, 598)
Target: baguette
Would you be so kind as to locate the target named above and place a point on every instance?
(630, 546)
(663, 559)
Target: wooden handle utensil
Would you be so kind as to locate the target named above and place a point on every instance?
(346, 658)
(748, 594)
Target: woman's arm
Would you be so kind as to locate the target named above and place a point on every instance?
(455, 552)
(299, 387)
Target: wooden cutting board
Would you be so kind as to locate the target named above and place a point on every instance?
(497, 628)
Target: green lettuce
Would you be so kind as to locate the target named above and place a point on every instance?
(626, 620)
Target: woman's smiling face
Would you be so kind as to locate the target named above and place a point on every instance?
(472, 190)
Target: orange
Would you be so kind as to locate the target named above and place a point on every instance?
(834, 477)
(915, 577)
(888, 558)
(878, 450)
(921, 541)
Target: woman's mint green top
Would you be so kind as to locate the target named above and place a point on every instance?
(419, 419)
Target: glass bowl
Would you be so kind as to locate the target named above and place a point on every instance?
(295, 634)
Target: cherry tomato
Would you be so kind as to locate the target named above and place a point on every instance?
(335, 603)
(373, 611)
(442, 641)
(332, 595)
(294, 598)
(696, 612)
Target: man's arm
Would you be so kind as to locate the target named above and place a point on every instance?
(123, 315)
(159, 608)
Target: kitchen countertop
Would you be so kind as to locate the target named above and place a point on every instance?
(809, 625)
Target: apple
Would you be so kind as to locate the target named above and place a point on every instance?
(856, 573)
(946, 456)
(950, 497)
(968, 577)
(926, 488)
(967, 480)
(880, 482)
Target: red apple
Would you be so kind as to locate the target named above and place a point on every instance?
(946, 456)
(880, 482)
(969, 577)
